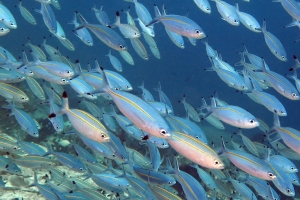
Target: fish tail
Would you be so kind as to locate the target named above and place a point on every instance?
(142, 86)
(83, 21)
(276, 121)
(118, 18)
(74, 21)
(264, 26)
(157, 12)
(237, 7)
(293, 23)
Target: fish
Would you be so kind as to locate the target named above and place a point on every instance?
(7, 18)
(24, 119)
(115, 62)
(274, 43)
(83, 34)
(105, 34)
(83, 122)
(138, 111)
(233, 115)
(48, 17)
(128, 31)
(227, 12)
(195, 150)
(249, 163)
(176, 38)
(26, 14)
(178, 24)
(248, 20)
(101, 16)
(13, 93)
(203, 5)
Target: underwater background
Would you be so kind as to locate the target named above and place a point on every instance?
(180, 71)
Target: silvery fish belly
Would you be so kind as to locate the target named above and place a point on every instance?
(236, 116)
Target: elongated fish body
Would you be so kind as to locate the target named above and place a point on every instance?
(242, 189)
(195, 150)
(138, 111)
(101, 16)
(44, 74)
(179, 24)
(176, 38)
(248, 20)
(25, 120)
(142, 12)
(128, 31)
(274, 44)
(7, 18)
(115, 62)
(191, 187)
(139, 48)
(12, 93)
(281, 84)
(83, 34)
(60, 33)
(291, 7)
(234, 115)
(26, 14)
(8, 76)
(203, 5)
(35, 87)
(228, 12)
(155, 52)
(290, 136)
(105, 34)
(154, 177)
(48, 17)
(287, 165)
(249, 163)
(205, 177)
(82, 88)
(83, 122)
(127, 57)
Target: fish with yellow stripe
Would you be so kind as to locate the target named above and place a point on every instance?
(178, 24)
(195, 150)
(83, 122)
(249, 163)
(144, 116)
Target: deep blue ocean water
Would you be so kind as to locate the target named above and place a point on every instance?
(180, 71)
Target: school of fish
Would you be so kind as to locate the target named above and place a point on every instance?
(99, 137)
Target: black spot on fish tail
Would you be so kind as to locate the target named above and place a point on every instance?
(52, 115)
(145, 137)
(291, 69)
(64, 94)
(76, 61)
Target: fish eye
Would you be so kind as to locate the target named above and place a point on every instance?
(163, 131)
(271, 174)
(294, 94)
(216, 162)
(251, 121)
(197, 137)
(235, 20)
(63, 80)
(103, 136)
(170, 182)
(292, 168)
(2, 29)
(127, 86)
(68, 71)
(121, 46)
(288, 190)
(81, 169)
(197, 31)
(283, 57)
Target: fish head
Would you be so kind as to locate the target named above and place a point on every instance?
(165, 132)
(218, 164)
(295, 96)
(122, 47)
(198, 33)
(280, 112)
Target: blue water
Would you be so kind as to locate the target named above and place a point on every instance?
(180, 71)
